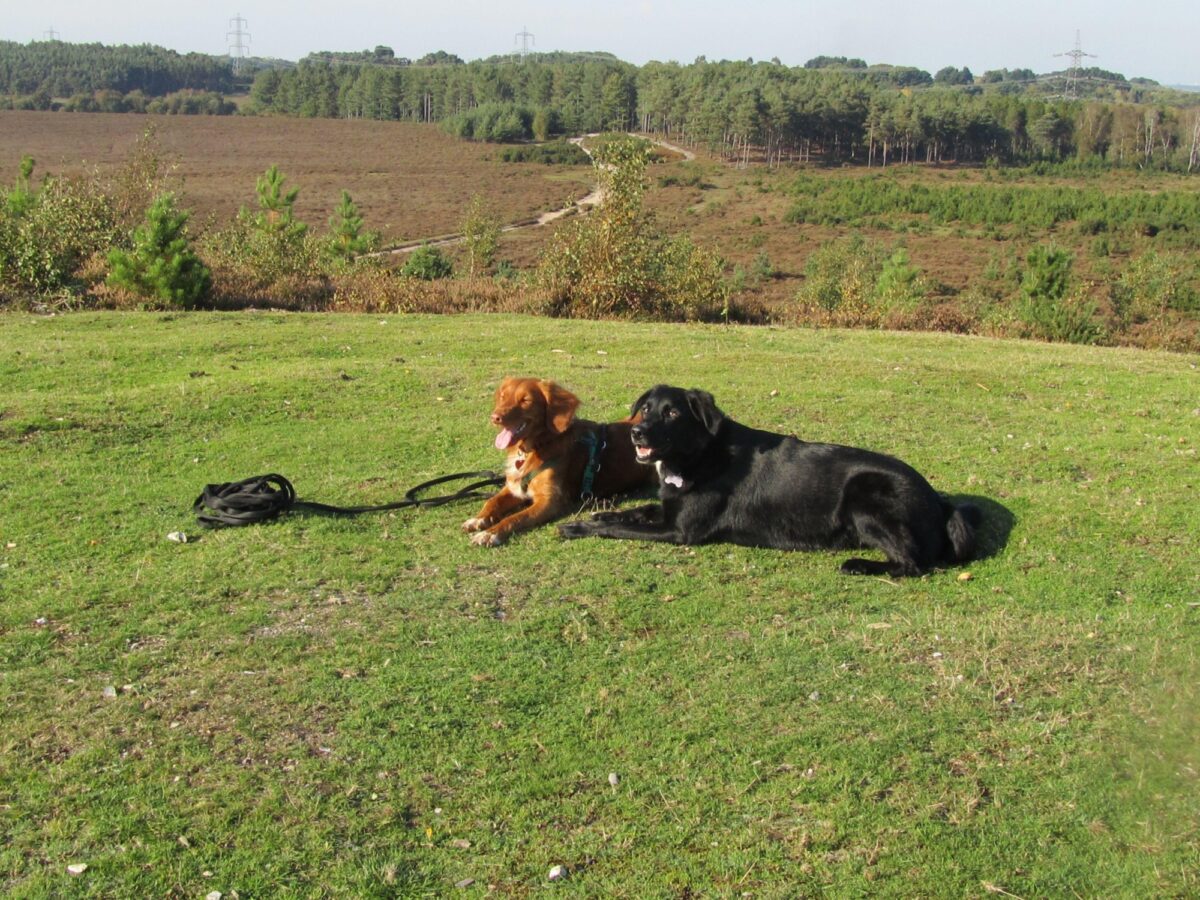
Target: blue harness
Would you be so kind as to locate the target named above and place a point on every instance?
(595, 441)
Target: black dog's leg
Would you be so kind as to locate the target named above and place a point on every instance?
(644, 523)
(894, 539)
(652, 512)
(858, 566)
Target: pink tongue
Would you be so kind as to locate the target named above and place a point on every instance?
(504, 438)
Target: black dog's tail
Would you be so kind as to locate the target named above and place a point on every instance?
(962, 521)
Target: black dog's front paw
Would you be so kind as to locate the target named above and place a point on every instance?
(608, 515)
(577, 529)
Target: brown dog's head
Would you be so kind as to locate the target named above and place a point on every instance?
(527, 408)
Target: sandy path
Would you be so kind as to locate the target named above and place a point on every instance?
(595, 198)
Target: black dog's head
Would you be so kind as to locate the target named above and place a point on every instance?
(674, 424)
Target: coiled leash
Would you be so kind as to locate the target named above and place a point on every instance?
(266, 497)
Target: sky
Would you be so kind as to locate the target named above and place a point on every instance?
(1159, 40)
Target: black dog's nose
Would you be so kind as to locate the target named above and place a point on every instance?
(637, 432)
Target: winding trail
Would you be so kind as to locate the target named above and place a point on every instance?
(595, 198)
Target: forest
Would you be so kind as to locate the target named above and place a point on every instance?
(53, 69)
(753, 111)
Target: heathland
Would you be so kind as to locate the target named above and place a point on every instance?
(1060, 252)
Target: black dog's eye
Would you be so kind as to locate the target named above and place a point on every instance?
(671, 414)
(645, 410)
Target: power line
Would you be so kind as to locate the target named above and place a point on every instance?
(526, 40)
(50, 34)
(1076, 55)
(238, 48)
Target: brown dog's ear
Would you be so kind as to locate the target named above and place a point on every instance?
(560, 406)
(704, 407)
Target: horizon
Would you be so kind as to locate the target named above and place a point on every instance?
(974, 35)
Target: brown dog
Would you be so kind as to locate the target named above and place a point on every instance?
(554, 460)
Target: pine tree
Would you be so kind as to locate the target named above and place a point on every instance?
(160, 264)
(275, 241)
(21, 197)
(346, 236)
(275, 206)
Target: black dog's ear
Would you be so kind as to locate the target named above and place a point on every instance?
(640, 401)
(704, 408)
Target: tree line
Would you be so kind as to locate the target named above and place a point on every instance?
(58, 69)
(747, 111)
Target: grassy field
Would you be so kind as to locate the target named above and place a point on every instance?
(373, 707)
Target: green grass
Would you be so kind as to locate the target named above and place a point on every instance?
(373, 707)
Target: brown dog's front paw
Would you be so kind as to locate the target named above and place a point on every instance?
(475, 524)
(486, 539)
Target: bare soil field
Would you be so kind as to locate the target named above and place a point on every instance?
(410, 181)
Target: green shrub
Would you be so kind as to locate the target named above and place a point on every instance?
(495, 122)
(556, 153)
(1070, 319)
(762, 269)
(260, 257)
(275, 206)
(857, 201)
(427, 264)
(160, 265)
(691, 282)
(1047, 273)
(614, 263)
(900, 285)
(840, 279)
(1152, 286)
(1047, 306)
(689, 175)
(481, 236)
(47, 235)
(269, 245)
(855, 281)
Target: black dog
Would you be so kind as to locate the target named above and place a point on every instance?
(722, 481)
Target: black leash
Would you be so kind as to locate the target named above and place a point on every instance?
(266, 497)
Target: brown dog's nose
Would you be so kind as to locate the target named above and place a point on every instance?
(495, 418)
